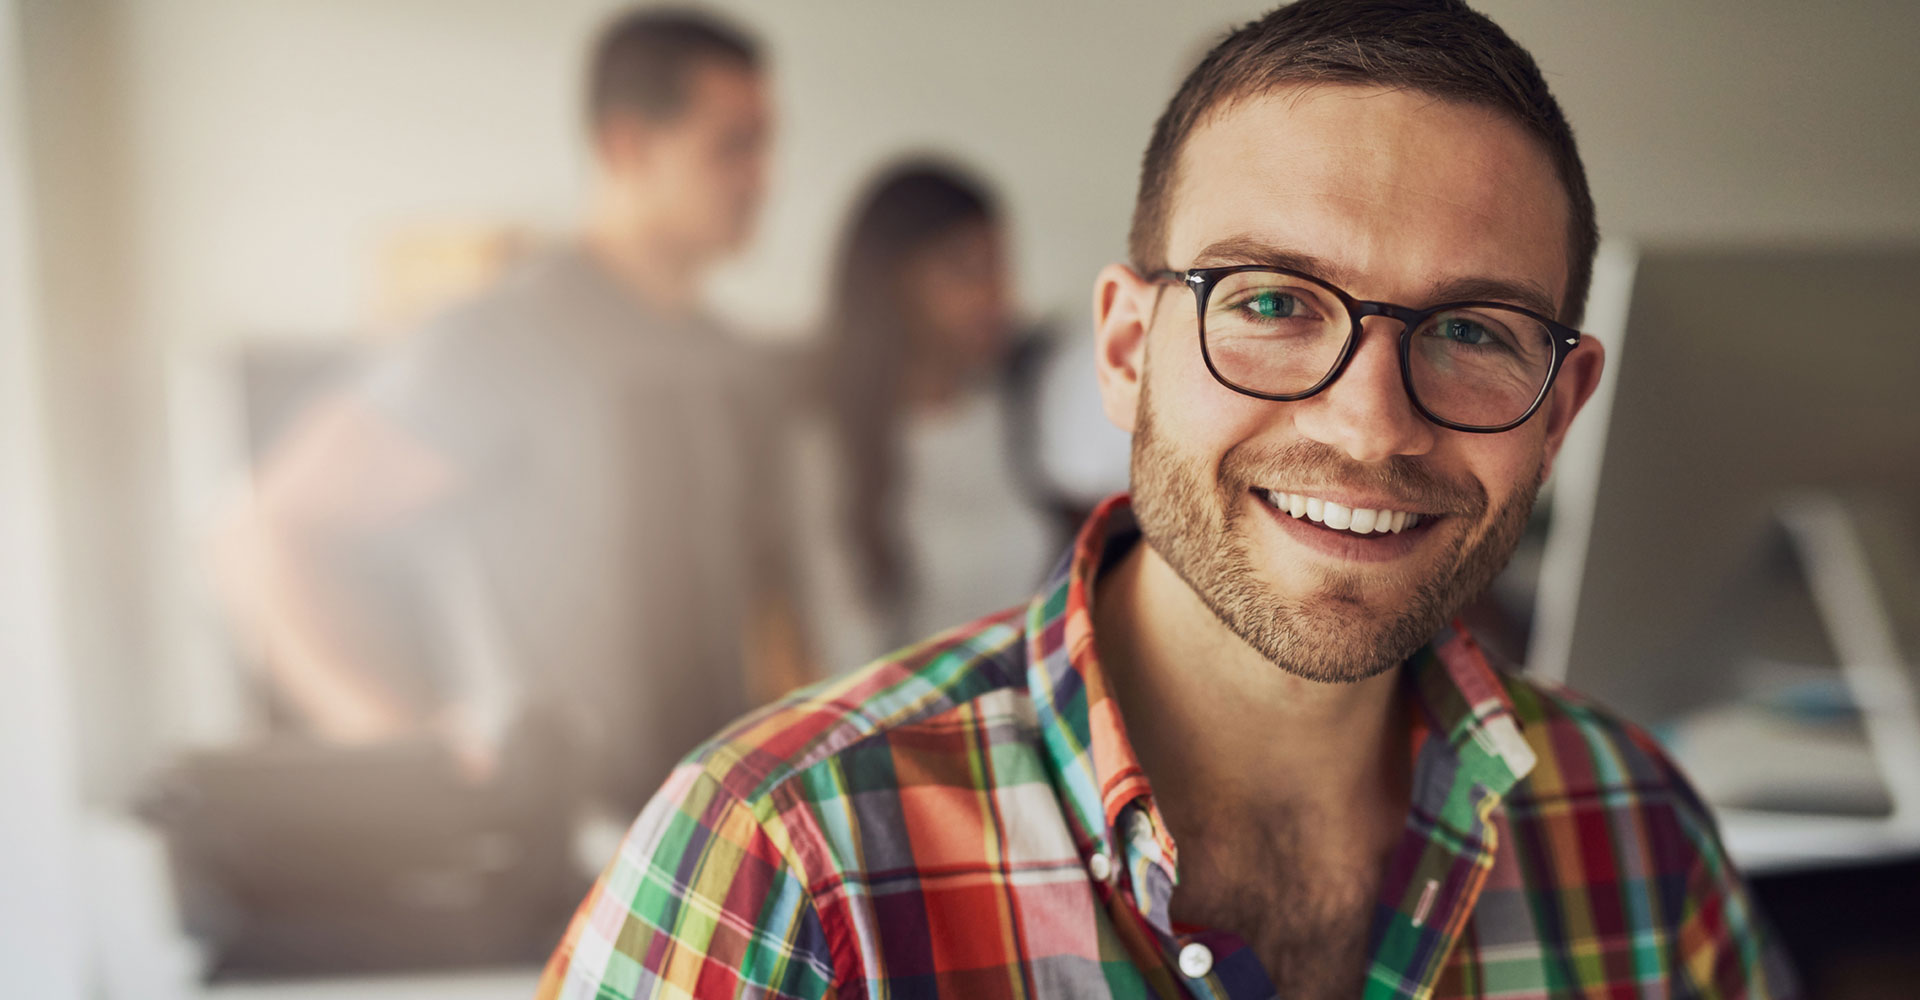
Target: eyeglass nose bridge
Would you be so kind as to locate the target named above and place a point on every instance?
(1408, 318)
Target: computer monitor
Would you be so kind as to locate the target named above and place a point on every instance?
(1757, 399)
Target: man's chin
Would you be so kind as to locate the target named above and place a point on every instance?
(1329, 619)
(1338, 639)
(1321, 621)
(1340, 621)
(1334, 635)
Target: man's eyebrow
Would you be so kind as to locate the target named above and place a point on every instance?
(1252, 250)
(1524, 294)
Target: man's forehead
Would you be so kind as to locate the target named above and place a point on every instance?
(727, 80)
(1385, 186)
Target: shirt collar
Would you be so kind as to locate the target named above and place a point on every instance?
(1079, 717)
(1461, 700)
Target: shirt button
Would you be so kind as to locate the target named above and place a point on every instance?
(1196, 960)
(1100, 867)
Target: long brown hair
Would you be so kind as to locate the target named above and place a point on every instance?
(869, 344)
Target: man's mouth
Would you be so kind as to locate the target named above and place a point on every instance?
(1337, 516)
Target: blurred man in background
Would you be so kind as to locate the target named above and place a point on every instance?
(571, 469)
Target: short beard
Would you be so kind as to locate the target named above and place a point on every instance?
(1192, 519)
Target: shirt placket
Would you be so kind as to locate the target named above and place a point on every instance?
(1205, 964)
(1428, 895)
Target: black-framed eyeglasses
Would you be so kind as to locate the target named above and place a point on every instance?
(1272, 333)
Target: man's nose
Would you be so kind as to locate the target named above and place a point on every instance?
(1366, 412)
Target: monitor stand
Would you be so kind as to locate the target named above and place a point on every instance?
(1860, 567)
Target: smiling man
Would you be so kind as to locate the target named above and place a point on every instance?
(1238, 747)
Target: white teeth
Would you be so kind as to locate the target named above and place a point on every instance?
(1359, 520)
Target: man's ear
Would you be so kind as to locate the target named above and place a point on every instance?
(1122, 313)
(1579, 376)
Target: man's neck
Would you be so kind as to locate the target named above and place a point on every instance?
(664, 277)
(1218, 726)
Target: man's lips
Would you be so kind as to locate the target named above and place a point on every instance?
(1342, 511)
(1348, 531)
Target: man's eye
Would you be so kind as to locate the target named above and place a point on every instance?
(1466, 331)
(1272, 305)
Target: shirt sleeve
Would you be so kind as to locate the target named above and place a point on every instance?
(1724, 948)
(699, 902)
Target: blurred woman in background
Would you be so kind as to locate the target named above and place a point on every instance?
(927, 516)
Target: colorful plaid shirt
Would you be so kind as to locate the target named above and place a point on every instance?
(966, 819)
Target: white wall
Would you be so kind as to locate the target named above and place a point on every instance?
(278, 141)
(1727, 120)
(260, 151)
(40, 950)
(275, 143)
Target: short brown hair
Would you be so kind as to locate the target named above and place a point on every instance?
(1438, 47)
(643, 61)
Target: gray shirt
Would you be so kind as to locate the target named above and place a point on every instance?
(619, 508)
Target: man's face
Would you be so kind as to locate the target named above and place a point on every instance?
(698, 178)
(1391, 196)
